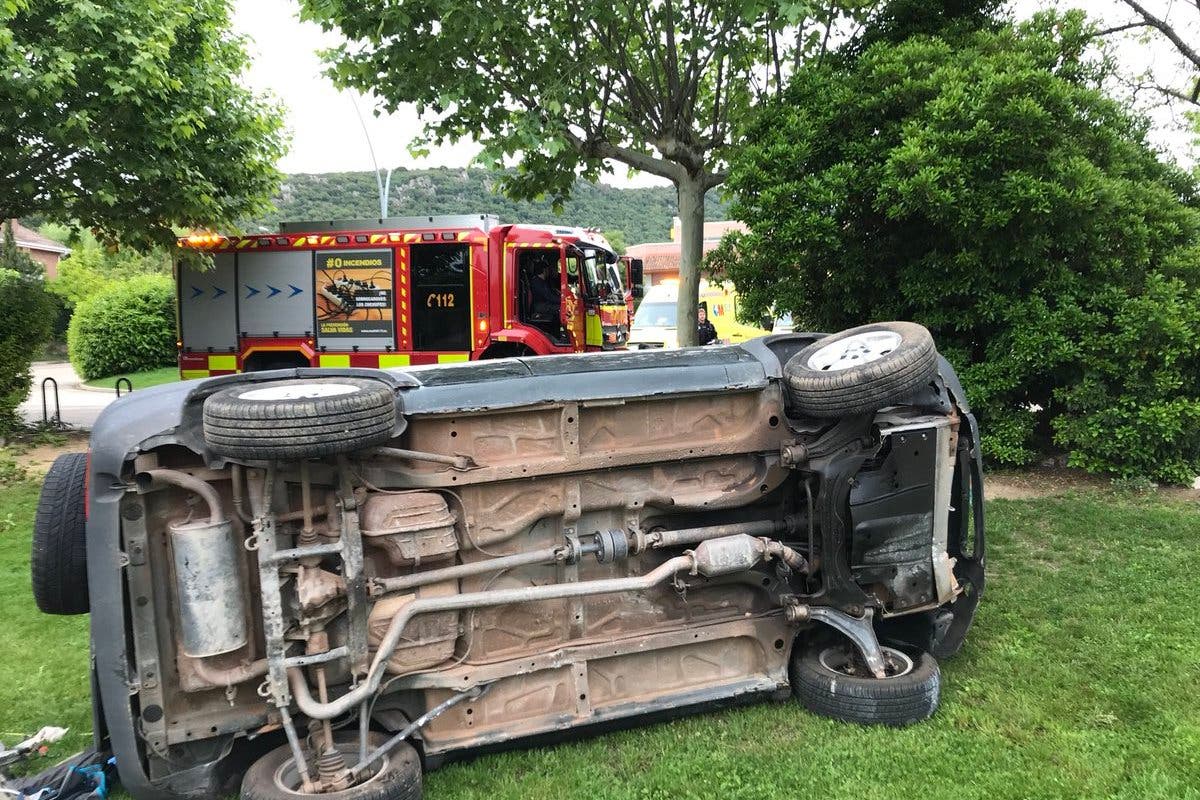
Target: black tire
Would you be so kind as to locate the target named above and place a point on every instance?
(300, 418)
(58, 560)
(827, 682)
(398, 779)
(836, 391)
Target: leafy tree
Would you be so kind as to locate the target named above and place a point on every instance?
(642, 214)
(91, 267)
(24, 325)
(564, 86)
(129, 116)
(984, 186)
(617, 240)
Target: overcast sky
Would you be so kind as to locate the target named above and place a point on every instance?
(327, 136)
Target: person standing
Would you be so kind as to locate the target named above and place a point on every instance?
(705, 332)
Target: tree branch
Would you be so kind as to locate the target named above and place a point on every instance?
(715, 179)
(1166, 30)
(600, 148)
(1194, 97)
(1121, 28)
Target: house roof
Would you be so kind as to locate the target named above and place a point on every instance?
(32, 240)
(660, 257)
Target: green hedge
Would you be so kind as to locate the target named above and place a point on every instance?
(128, 327)
(24, 325)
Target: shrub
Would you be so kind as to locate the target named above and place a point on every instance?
(128, 327)
(983, 184)
(24, 326)
(92, 267)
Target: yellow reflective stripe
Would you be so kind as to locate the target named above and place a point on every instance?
(387, 360)
(377, 238)
(222, 362)
(333, 361)
(450, 358)
(300, 240)
(593, 330)
(193, 374)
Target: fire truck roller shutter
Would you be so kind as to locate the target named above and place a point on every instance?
(208, 306)
(275, 293)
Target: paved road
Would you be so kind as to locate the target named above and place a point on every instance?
(80, 407)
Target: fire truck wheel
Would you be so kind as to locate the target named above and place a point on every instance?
(303, 418)
(58, 561)
(860, 370)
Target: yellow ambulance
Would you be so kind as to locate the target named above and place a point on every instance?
(654, 323)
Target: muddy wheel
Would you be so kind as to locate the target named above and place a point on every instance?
(58, 560)
(302, 418)
(397, 775)
(831, 680)
(860, 370)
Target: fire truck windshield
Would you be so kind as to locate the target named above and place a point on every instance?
(603, 279)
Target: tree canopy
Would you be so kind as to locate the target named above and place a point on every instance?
(981, 183)
(564, 86)
(643, 214)
(128, 117)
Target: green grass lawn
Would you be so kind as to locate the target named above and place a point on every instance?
(140, 380)
(1081, 678)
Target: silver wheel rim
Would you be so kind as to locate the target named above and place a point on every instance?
(287, 778)
(844, 660)
(853, 351)
(298, 391)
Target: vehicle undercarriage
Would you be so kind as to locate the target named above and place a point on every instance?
(370, 571)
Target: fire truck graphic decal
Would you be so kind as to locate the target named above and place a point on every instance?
(198, 292)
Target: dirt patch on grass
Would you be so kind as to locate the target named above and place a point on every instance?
(35, 458)
(1037, 482)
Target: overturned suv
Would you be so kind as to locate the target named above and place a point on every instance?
(324, 582)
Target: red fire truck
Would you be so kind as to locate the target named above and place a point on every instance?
(398, 292)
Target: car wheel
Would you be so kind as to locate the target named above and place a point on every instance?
(303, 418)
(397, 777)
(860, 370)
(58, 559)
(832, 680)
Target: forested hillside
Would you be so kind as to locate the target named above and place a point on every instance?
(643, 215)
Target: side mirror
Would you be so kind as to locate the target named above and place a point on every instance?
(635, 277)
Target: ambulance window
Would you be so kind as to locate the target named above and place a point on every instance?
(441, 295)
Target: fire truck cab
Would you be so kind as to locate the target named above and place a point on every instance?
(396, 292)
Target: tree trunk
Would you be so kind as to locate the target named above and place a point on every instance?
(690, 191)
